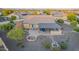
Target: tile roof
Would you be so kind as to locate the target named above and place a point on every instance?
(38, 19)
(49, 25)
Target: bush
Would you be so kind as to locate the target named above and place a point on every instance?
(72, 17)
(63, 45)
(47, 11)
(60, 21)
(20, 44)
(73, 23)
(76, 29)
(47, 44)
(6, 12)
(17, 34)
(13, 17)
(6, 27)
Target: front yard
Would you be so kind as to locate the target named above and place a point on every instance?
(72, 39)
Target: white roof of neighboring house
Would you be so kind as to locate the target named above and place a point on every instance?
(77, 16)
(58, 14)
(35, 19)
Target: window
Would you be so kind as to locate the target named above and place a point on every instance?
(27, 26)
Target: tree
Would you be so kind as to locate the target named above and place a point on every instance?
(74, 23)
(6, 27)
(46, 44)
(13, 17)
(47, 11)
(63, 45)
(6, 12)
(72, 17)
(16, 34)
(36, 12)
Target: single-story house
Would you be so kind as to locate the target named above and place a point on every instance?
(18, 15)
(39, 22)
(33, 21)
(59, 15)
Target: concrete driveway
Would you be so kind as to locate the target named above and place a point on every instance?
(36, 45)
(67, 28)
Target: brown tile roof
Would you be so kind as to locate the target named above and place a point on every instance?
(38, 19)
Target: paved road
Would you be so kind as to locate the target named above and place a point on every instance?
(11, 45)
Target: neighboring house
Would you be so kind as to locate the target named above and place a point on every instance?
(14, 14)
(21, 14)
(25, 13)
(4, 20)
(77, 14)
(59, 15)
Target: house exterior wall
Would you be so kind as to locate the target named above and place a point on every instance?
(35, 26)
(59, 32)
(27, 26)
(19, 24)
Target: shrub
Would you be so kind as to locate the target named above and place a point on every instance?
(60, 21)
(72, 17)
(76, 29)
(47, 11)
(63, 45)
(73, 23)
(6, 12)
(13, 17)
(18, 35)
(20, 44)
(6, 27)
(47, 44)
